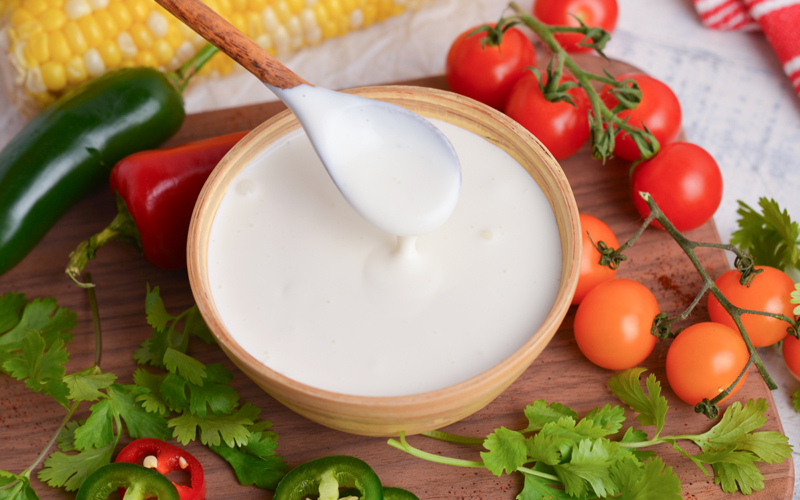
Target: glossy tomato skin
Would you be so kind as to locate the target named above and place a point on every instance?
(704, 360)
(592, 273)
(488, 73)
(685, 182)
(560, 126)
(769, 291)
(659, 110)
(602, 13)
(791, 355)
(612, 324)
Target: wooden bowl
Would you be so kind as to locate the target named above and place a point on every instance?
(387, 416)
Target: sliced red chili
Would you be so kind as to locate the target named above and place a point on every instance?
(167, 459)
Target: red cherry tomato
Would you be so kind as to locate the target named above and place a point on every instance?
(560, 126)
(592, 273)
(659, 110)
(769, 291)
(704, 360)
(685, 182)
(485, 72)
(593, 13)
(791, 355)
(612, 325)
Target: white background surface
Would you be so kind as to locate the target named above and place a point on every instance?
(736, 101)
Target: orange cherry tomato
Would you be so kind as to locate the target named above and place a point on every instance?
(592, 273)
(791, 355)
(769, 291)
(612, 325)
(704, 360)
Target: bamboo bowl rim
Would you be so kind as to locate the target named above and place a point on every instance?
(428, 102)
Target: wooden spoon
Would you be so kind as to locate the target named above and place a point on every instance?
(393, 166)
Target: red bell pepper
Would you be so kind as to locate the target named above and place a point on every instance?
(167, 459)
(156, 191)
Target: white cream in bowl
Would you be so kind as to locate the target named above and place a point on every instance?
(308, 287)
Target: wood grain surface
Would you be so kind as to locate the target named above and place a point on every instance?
(561, 373)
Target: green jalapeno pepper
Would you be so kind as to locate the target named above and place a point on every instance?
(324, 476)
(388, 494)
(70, 147)
(139, 482)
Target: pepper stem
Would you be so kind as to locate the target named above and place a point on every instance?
(123, 226)
(180, 78)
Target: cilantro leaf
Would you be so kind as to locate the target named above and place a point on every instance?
(195, 325)
(507, 451)
(151, 351)
(608, 417)
(44, 316)
(256, 461)
(637, 436)
(70, 471)
(536, 488)
(652, 482)
(85, 385)
(746, 478)
(22, 490)
(652, 409)
(173, 390)
(214, 429)
(139, 422)
(42, 371)
(540, 413)
(544, 448)
(66, 438)
(770, 237)
(215, 393)
(186, 366)
(157, 315)
(98, 430)
(770, 447)
(568, 433)
(11, 307)
(151, 401)
(734, 429)
(589, 465)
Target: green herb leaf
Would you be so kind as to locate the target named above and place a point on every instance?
(173, 390)
(151, 401)
(654, 481)
(540, 413)
(157, 315)
(652, 409)
(214, 429)
(185, 365)
(98, 430)
(507, 451)
(66, 438)
(22, 490)
(42, 371)
(544, 448)
(41, 315)
(85, 385)
(732, 477)
(70, 471)
(255, 462)
(589, 467)
(536, 488)
(11, 307)
(195, 325)
(139, 422)
(608, 417)
(215, 393)
(796, 400)
(735, 424)
(637, 436)
(771, 237)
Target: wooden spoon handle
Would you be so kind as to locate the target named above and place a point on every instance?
(211, 26)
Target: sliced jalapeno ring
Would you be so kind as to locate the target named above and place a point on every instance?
(139, 481)
(348, 472)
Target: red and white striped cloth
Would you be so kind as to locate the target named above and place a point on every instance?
(779, 19)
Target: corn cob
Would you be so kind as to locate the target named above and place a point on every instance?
(55, 45)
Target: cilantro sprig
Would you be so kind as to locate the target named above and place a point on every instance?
(771, 237)
(563, 457)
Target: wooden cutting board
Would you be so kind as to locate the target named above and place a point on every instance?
(560, 374)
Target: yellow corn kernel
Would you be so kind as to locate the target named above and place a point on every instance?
(53, 19)
(255, 26)
(329, 30)
(146, 58)
(21, 16)
(38, 49)
(55, 4)
(54, 76)
(384, 9)
(356, 19)
(35, 7)
(397, 10)
(281, 40)
(108, 26)
(26, 30)
(127, 46)
(296, 6)
(76, 70)
(174, 37)
(271, 22)
(370, 14)
(238, 21)
(91, 30)
(141, 36)
(295, 32)
(76, 9)
(225, 7)
(128, 63)
(94, 63)
(157, 24)
(334, 8)
(343, 25)
(239, 5)
(348, 5)
(109, 51)
(75, 38)
(256, 5)
(321, 14)
(282, 11)
(140, 9)
(121, 15)
(59, 48)
(163, 52)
